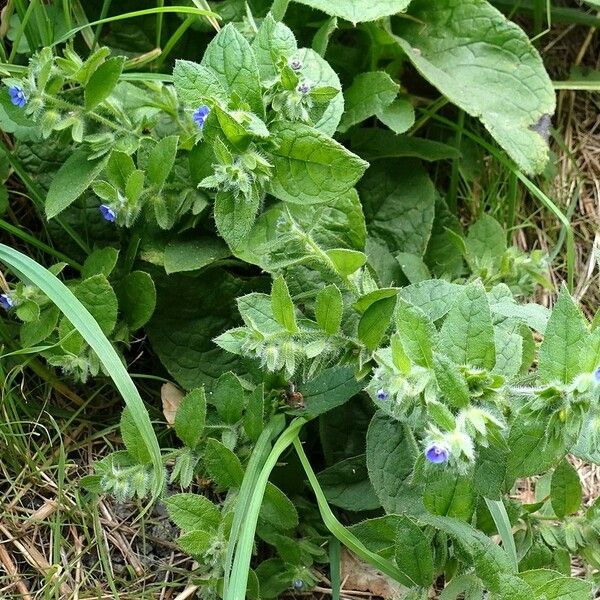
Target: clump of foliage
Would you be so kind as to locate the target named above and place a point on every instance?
(281, 240)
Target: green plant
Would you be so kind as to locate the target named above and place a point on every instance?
(397, 338)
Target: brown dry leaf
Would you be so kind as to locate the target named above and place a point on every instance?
(171, 399)
(360, 576)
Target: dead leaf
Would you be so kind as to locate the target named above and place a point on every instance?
(171, 399)
(361, 576)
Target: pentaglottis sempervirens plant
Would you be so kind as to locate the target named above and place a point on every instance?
(283, 243)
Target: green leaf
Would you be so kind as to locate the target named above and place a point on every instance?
(399, 116)
(36, 331)
(321, 75)
(234, 216)
(369, 94)
(190, 312)
(222, 465)
(357, 11)
(486, 243)
(330, 388)
(531, 451)
(490, 471)
(346, 261)
(490, 561)
(417, 333)
(103, 81)
(97, 295)
(100, 262)
(71, 180)
(328, 309)
(254, 417)
(282, 305)
(132, 438)
(196, 543)
(347, 486)
(192, 511)
(28, 311)
(451, 381)
(486, 65)
(434, 297)
(196, 84)
(398, 200)
(161, 159)
(193, 254)
(414, 555)
(509, 352)
(273, 40)
(565, 490)
(413, 267)
(228, 397)
(277, 509)
(561, 588)
(565, 341)
(391, 454)
(467, 335)
(373, 144)
(137, 298)
(375, 322)
(310, 167)
(230, 57)
(448, 494)
(190, 418)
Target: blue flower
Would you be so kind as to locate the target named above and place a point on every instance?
(436, 453)
(200, 114)
(17, 96)
(6, 302)
(304, 88)
(298, 584)
(381, 394)
(295, 64)
(597, 375)
(108, 213)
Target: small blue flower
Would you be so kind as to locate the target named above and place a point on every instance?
(17, 96)
(200, 114)
(436, 453)
(108, 213)
(381, 394)
(295, 64)
(6, 302)
(304, 88)
(597, 375)
(298, 584)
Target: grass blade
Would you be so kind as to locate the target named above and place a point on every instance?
(334, 568)
(255, 464)
(187, 10)
(87, 326)
(498, 512)
(341, 533)
(241, 562)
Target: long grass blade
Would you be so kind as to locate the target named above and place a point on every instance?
(340, 532)
(498, 512)
(57, 292)
(255, 464)
(241, 562)
(187, 10)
